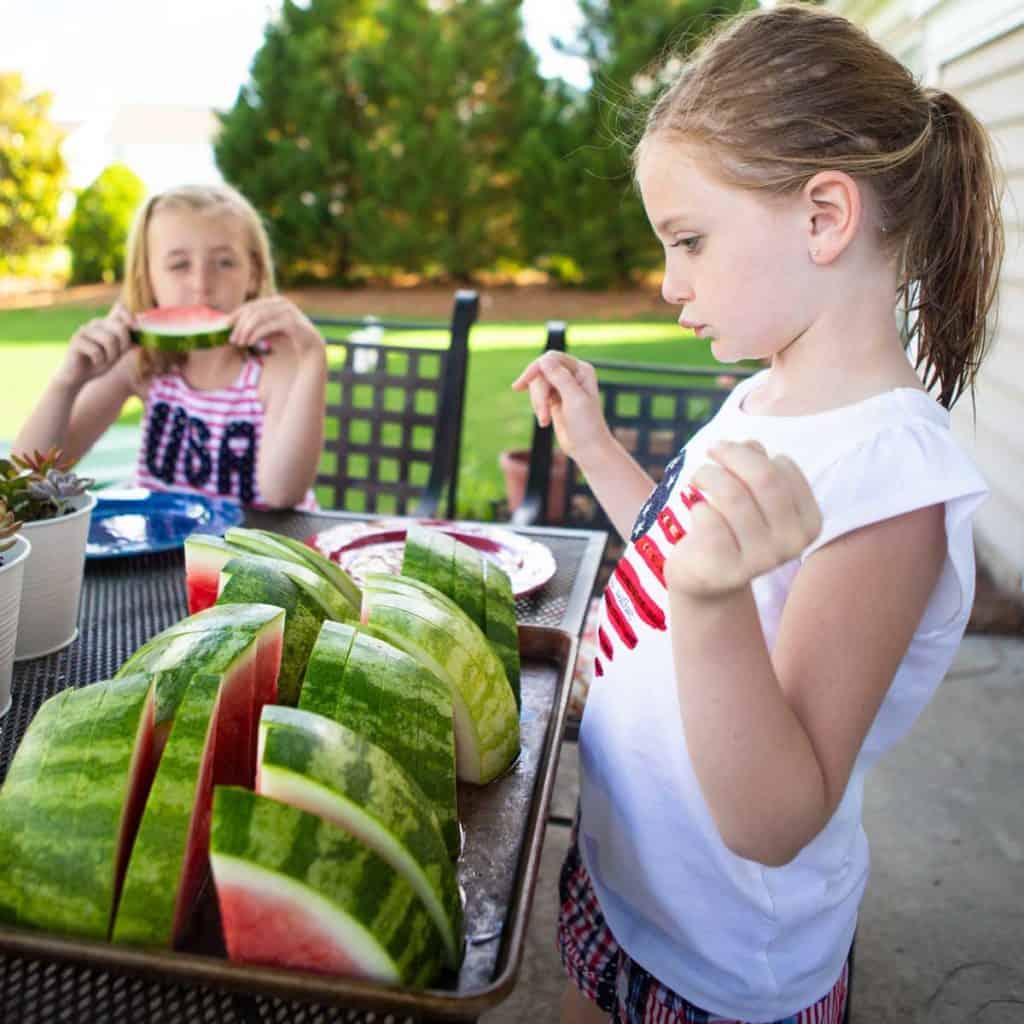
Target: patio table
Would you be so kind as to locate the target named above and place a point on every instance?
(125, 601)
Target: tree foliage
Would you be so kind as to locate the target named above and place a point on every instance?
(99, 224)
(32, 171)
(417, 135)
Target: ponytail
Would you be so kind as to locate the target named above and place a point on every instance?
(953, 254)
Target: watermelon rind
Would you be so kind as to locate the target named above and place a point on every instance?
(181, 328)
(500, 626)
(323, 767)
(397, 704)
(276, 857)
(251, 581)
(278, 545)
(153, 906)
(73, 822)
(438, 633)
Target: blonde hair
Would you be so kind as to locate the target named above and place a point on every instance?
(137, 290)
(778, 94)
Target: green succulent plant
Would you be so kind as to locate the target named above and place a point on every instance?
(39, 486)
(9, 527)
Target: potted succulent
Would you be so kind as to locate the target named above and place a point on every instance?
(14, 551)
(54, 508)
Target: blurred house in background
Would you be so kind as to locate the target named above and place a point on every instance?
(164, 145)
(975, 50)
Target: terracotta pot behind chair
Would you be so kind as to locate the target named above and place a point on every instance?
(515, 464)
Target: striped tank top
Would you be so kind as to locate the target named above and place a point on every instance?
(206, 442)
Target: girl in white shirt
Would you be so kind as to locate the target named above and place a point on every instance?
(797, 584)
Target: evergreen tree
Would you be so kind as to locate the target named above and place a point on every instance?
(384, 134)
(32, 172)
(601, 223)
(99, 224)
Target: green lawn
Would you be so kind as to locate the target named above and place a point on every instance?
(32, 341)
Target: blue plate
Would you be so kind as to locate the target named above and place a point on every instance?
(134, 521)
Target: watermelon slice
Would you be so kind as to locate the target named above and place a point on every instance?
(322, 767)
(181, 328)
(69, 818)
(248, 656)
(466, 583)
(297, 891)
(169, 859)
(276, 545)
(434, 630)
(500, 625)
(395, 703)
(247, 581)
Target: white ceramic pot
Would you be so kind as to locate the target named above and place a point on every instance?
(12, 573)
(53, 580)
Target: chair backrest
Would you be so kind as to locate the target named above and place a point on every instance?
(652, 409)
(394, 415)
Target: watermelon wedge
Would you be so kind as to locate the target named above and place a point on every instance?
(169, 860)
(297, 891)
(322, 767)
(181, 328)
(276, 545)
(70, 810)
(500, 625)
(247, 654)
(395, 703)
(434, 630)
(247, 581)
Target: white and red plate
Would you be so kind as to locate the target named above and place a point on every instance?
(378, 546)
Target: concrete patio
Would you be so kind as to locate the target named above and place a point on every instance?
(941, 937)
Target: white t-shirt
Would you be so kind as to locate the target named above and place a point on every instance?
(735, 937)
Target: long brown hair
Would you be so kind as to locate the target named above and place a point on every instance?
(778, 94)
(137, 290)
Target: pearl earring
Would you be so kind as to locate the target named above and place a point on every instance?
(815, 253)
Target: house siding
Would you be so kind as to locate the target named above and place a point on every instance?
(975, 50)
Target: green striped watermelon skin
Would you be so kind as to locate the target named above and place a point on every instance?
(416, 553)
(468, 582)
(500, 626)
(329, 867)
(304, 555)
(438, 633)
(328, 769)
(169, 859)
(249, 582)
(72, 823)
(397, 704)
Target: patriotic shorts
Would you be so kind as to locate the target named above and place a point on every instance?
(619, 986)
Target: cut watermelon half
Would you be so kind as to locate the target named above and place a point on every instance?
(297, 891)
(181, 328)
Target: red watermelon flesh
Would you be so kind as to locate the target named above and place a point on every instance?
(264, 928)
(234, 749)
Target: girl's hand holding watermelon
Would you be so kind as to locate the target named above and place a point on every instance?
(278, 322)
(95, 348)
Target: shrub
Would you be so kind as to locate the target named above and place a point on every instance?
(100, 222)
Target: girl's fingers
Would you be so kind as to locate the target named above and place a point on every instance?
(541, 393)
(807, 507)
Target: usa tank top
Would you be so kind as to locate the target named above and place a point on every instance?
(205, 441)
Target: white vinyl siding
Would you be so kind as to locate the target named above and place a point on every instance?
(975, 50)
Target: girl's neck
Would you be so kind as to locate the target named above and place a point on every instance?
(213, 369)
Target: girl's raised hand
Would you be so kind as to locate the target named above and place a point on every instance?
(277, 321)
(759, 513)
(96, 347)
(563, 392)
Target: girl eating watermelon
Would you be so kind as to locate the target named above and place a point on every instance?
(231, 373)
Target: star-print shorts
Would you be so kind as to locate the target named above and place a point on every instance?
(605, 974)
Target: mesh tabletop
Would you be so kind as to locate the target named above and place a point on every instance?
(125, 601)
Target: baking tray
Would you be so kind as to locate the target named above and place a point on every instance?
(503, 826)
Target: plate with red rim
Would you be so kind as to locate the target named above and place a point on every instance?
(378, 546)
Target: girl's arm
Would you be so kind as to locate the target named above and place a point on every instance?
(294, 396)
(98, 375)
(773, 737)
(563, 391)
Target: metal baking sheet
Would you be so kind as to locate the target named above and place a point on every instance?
(503, 826)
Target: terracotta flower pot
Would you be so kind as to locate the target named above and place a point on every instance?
(53, 580)
(12, 573)
(515, 464)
